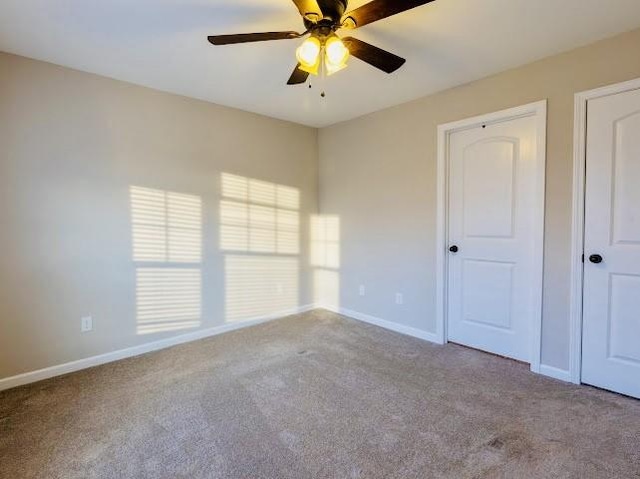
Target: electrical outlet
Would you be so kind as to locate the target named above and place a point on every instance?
(86, 324)
(399, 298)
(362, 290)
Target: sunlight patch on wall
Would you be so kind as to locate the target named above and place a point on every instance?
(260, 236)
(167, 252)
(167, 226)
(259, 217)
(167, 299)
(326, 288)
(257, 286)
(325, 241)
(325, 257)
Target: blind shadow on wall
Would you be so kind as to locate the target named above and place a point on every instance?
(167, 253)
(260, 240)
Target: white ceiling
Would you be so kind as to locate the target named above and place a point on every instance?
(162, 44)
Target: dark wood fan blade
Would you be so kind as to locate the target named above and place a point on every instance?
(298, 76)
(379, 9)
(374, 56)
(252, 37)
(309, 9)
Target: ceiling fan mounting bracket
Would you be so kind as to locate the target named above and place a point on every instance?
(349, 23)
(322, 31)
(332, 12)
(311, 17)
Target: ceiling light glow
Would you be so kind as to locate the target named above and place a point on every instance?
(308, 55)
(336, 55)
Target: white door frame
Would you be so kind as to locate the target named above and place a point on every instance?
(577, 232)
(539, 111)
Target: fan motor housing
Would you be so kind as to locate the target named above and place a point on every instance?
(333, 10)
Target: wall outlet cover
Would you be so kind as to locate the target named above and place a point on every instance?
(86, 324)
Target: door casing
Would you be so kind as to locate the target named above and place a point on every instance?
(539, 111)
(578, 220)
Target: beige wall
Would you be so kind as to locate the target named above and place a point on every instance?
(377, 173)
(71, 146)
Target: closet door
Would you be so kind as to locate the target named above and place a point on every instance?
(611, 317)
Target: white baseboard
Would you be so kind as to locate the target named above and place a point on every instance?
(544, 370)
(58, 370)
(383, 323)
(46, 373)
(555, 373)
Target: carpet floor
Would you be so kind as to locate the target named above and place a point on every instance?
(315, 396)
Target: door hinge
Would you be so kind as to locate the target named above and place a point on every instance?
(583, 257)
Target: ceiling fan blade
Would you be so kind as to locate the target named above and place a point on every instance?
(298, 77)
(379, 9)
(374, 56)
(309, 9)
(252, 37)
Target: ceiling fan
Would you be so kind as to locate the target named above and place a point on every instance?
(324, 52)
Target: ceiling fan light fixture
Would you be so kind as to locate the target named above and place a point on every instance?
(336, 55)
(324, 52)
(308, 55)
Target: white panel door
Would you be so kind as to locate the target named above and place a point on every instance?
(492, 223)
(611, 317)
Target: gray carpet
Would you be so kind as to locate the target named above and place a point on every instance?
(315, 396)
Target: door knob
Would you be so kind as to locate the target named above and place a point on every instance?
(454, 249)
(595, 258)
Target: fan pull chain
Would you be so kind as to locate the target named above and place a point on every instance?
(322, 94)
(323, 72)
(322, 75)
